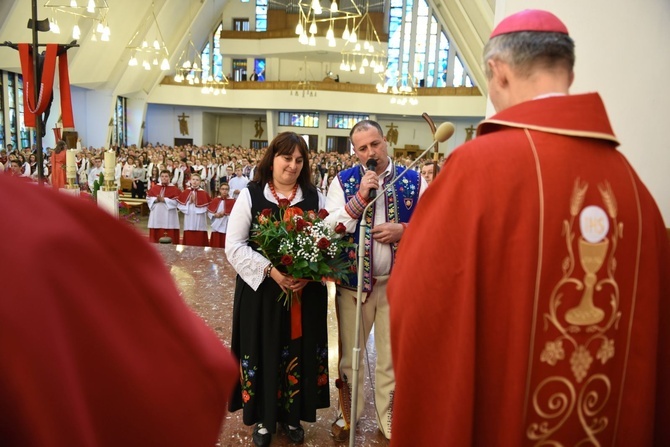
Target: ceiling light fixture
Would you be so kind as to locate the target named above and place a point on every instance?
(158, 50)
(93, 9)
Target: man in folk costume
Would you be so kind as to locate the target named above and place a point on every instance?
(218, 212)
(163, 216)
(546, 285)
(347, 197)
(193, 202)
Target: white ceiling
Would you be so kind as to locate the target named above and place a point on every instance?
(104, 65)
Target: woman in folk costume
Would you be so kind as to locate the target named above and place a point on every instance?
(283, 351)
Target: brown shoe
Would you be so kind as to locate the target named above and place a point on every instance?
(340, 433)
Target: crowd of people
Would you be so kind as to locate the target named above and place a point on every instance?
(215, 164)
(520, 299)
(139, 171)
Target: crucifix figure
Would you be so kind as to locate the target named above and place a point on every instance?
(469, 131)
(392, 134)
(259, 128)
(183, 124)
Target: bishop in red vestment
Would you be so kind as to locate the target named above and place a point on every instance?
(530, 301)
(102, 352)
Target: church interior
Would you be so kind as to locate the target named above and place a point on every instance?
(120, 93)
(238, 72)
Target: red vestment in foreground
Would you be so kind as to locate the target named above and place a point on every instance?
(530, 301)
(97, 346)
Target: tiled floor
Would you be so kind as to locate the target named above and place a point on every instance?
(206, 281)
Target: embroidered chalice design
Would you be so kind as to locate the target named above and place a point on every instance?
(581, 335)
(592, 246)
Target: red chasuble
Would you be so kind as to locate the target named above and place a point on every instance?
(530, 300)
(97, 346)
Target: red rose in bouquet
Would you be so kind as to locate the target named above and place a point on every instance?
(302, 245)
(340, 228)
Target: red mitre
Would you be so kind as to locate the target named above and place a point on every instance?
(530, 20)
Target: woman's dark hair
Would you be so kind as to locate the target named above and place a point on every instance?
(61, 145)
(284, 144)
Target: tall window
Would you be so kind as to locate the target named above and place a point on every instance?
(259, 69)
(24, 133)
(11, 96)
(418, 48)
(261, 15)
(2, 112)
(119, 121)
(212, 61)
(240, 24)
(217, 59)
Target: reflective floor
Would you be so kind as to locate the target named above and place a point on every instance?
(206, 282)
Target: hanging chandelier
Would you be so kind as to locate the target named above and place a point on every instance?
(303, 87)
(149, 54)
(362, 48)
(311, 16)
(214, 86)
(95, 10)
(189, 69)
(403, 92)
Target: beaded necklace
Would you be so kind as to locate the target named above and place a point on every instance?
(271, 185)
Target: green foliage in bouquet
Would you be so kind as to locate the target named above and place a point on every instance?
(302, 245)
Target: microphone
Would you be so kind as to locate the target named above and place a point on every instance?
(443, 133)
(371, 165)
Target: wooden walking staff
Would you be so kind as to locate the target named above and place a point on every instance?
(436, 154)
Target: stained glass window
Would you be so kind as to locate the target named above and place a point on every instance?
(261, 15)
(11, 96)
(418, 48)
(2, 113)
(299, 119)
(344, 121)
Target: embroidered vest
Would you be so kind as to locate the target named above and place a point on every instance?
(400, 201)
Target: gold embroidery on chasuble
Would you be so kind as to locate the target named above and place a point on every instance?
(579, 322)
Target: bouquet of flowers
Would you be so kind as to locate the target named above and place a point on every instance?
(302, 245)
